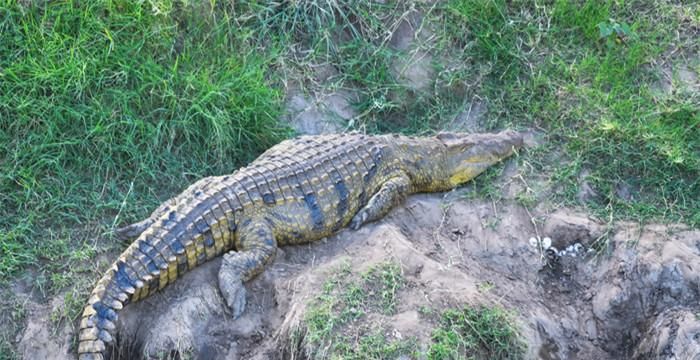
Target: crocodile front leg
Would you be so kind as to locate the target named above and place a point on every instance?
(256, 248)
(389, 195)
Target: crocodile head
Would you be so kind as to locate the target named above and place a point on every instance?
(468, 155)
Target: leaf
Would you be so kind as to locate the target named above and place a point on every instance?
(625, 29)
(605, 29)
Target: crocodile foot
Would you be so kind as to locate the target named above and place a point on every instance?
(91, 356)
(359, 219)
(232, 289)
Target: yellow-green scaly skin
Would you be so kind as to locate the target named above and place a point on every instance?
(298, 191)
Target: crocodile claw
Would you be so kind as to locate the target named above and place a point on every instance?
(232, 289)
(359, 219)
(235, 297)
(91, 356)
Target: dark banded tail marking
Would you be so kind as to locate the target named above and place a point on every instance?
(343, 197)
(315, 210)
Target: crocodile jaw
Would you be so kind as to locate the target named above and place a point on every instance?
(468, 155)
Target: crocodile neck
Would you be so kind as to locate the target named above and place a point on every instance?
(422, 160)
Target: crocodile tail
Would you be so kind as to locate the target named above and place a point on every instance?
(98, 321)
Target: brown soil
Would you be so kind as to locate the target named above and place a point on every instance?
(636, 300)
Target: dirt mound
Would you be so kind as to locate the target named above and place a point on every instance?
(597, 292)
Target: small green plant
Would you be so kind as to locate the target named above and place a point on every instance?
(383, 282)
(426, 310)
(526, 198)
(612, 30)
(7, 351)
(485, 286)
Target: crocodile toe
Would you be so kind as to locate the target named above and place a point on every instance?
(233, 291)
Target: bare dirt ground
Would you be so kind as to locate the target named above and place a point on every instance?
(637, 299)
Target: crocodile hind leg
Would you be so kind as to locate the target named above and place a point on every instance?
(389, 195)
(133, 231)
(256, 248)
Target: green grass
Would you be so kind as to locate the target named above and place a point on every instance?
(628, 135)
(107, 108)
(476, 333)
(332, 326)
(353, 38)
(335, 323)
(593, 92)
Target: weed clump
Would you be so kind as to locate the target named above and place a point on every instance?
(332, 327)
(476, 333)
(335, 324)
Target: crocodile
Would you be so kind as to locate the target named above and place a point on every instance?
(298, 191)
